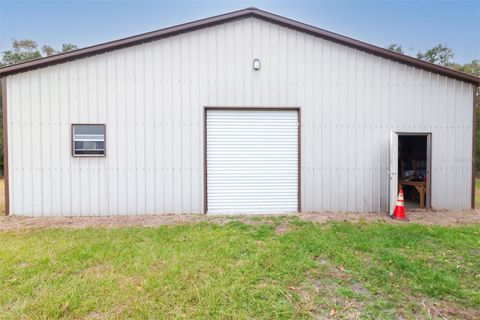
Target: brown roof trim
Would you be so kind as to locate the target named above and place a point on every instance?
(356, 44)
(240, 14)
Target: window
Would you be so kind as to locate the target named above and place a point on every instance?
(88, 140)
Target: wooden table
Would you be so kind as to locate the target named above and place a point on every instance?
(420, 186)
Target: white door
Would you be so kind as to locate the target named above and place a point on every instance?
(393, 171)
(252, 161)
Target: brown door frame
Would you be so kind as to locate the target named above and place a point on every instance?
(428, 135)
(299, 138)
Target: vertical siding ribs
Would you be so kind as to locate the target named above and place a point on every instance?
(349, 101)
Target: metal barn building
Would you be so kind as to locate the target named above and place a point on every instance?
(246, 112)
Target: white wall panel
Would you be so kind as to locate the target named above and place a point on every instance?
(151, 98)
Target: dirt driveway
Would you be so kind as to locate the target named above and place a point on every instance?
(426, 217)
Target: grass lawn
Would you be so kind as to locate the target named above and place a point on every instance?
(245, 271)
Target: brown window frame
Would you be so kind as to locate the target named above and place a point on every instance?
(72, 140)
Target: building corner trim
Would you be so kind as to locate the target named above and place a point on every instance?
(3, 80)
(474, 144)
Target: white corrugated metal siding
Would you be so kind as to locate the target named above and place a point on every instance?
(151, 98)
(252, 161)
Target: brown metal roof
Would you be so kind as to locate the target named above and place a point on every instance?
(249, 12)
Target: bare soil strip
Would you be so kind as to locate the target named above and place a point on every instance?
(425, 217)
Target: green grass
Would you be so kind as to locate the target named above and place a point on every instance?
(375, 271)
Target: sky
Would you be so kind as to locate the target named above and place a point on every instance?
(416, 25)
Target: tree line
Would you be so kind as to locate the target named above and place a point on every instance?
(443, 56)
(27, 49)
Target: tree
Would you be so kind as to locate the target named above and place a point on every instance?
(22, 50)
(68, 47)
(396, 48)
(440, 54)
(26, 50)
(470, 68)
(48, 51)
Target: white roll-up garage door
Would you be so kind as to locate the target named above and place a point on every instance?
(252, 161)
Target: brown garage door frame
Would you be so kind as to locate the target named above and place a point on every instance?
(299, 139)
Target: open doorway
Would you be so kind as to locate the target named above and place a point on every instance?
(414, 169)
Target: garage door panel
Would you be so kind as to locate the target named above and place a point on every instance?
(252, 161)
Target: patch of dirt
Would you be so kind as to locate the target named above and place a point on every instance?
(426, 217)
(18, 222)
(94, 315)
(115, 312)
(359, 289)
(282, 228)
(320, 294)
(97, 271)
(447, 310)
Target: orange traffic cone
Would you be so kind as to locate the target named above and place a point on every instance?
(399, 213)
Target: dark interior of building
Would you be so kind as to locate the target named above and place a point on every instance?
(412, 166)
